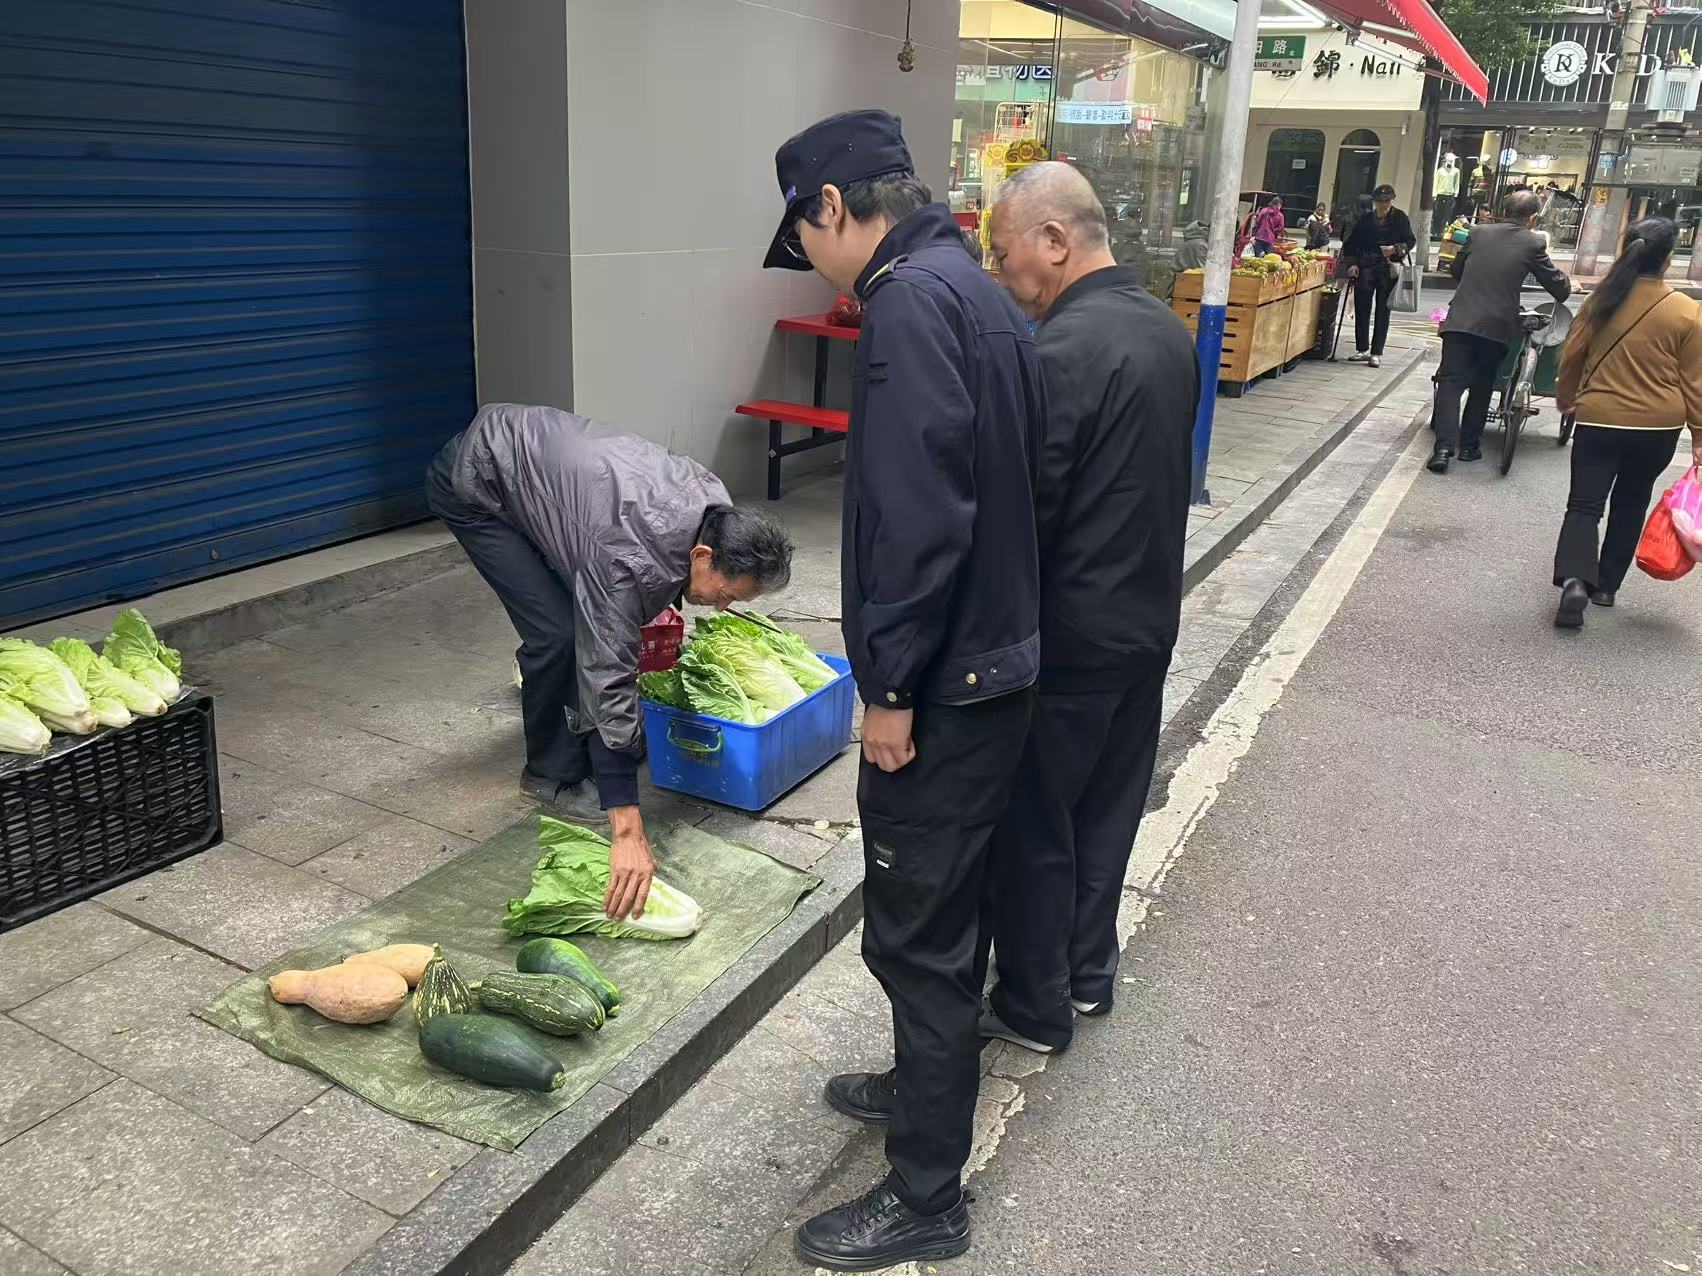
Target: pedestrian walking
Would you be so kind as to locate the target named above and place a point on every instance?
(1373, 250)
(1318, 228)
(1122, 385)
(1268, 227)
(1483, 321)
(1631, 370)
(940, 597)
(586, 535)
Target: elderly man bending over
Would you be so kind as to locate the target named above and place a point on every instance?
(1111, 508)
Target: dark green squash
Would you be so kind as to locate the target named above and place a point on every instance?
(558, 957)
(441, 991)
(495, 1051)
(550, 1003)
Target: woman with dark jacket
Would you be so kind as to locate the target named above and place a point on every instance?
(1318, 228)
(1372, 252)
(1631, 370)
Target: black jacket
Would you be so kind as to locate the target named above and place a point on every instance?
(1491, 269)
(939, 574)
(1122, 386)
(1365, 240)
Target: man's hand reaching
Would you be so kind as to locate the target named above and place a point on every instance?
(631, 865)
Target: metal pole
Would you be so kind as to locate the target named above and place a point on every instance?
(1226, 196)
(1598, 233)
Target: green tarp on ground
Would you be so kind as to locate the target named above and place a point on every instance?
(460, 906)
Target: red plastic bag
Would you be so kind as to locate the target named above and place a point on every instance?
(846, 312)
(1660, 553)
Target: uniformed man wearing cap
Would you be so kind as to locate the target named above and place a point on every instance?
(940, 598)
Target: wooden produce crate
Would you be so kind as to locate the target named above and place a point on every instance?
(1244, 290)
(1303, 323)
(1255, 335)
(1311, 274)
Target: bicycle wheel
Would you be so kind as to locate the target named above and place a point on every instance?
(1516, 404)
(1567, 421)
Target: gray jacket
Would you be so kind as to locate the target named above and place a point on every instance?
(1491, 268)
(614, 515)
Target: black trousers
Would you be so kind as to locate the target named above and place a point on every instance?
(1371, 290)
(1469, 364)
(541, 607)
(1061, 852)
(1612, 470)
(926, 831)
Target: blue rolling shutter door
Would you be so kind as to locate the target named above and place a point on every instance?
(235, 283)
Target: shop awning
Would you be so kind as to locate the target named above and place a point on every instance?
(1415, 24)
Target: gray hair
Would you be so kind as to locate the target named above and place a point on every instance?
(1053, 191)
(1520, 205)
(746, 541)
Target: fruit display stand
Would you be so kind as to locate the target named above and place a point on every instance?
(1303, 323)
(1255, 328)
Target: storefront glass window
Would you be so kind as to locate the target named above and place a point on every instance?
(1294, 163)
(1129, 114)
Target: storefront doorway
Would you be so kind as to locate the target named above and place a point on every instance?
(1294, 167)
(1356, 174)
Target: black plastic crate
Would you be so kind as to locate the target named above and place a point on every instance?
(102, 809)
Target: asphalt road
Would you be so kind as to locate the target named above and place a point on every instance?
(1424, 994)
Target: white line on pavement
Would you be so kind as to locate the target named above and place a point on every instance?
(1229, 734)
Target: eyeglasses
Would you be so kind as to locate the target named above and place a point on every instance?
(793, 242)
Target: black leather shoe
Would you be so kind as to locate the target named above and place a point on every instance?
(1602, 597)
(1574, 597)
(878, 1230)
(1472, 453)
(1438, 462)
(864, 1096)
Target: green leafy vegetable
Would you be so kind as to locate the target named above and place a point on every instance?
(135, 649)
(664, 687)
(45, 685)
(568, 888)
(20, 730)
(807, 669)
(105, 681)
(711, 688)
(763, 678)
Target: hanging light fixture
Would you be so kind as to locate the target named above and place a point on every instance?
(907, 54)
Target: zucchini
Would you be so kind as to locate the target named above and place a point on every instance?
(558, 957)
(441, 991)
(550, 1003)
(495, 1051)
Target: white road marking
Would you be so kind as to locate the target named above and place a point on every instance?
(1229, 734)
(1198, 781)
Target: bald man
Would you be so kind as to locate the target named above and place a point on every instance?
(1111, 508)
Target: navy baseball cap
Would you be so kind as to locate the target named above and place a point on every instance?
(840, 149)
(1384, 192)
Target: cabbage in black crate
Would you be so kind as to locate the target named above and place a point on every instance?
(99, 810)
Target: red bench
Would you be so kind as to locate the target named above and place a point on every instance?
(825, 424)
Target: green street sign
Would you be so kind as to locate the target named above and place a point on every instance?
(1280, 53)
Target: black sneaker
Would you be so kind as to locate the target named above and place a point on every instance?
(878, 1230)
(577, 803)
(1090, 1008)
(864, 1096)
(1574, 597)
(993, 1026)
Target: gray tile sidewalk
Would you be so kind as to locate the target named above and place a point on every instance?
(360, 748)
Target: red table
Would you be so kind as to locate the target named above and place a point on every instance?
(824, 423)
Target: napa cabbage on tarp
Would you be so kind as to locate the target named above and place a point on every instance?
(135, 649)
(45, 685)
(20, 730)
(570, 882)
(104, 681)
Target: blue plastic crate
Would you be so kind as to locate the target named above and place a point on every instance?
(750, 766)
